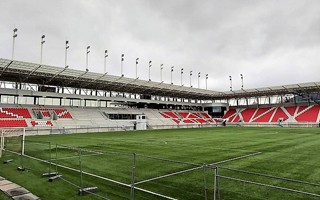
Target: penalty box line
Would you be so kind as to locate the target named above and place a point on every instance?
(195, 168)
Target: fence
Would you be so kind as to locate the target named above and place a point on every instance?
(119, 175)
(47, 131)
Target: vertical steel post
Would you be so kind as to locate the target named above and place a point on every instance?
(133, 176)
(50, 158)
(56, 158)
(22, 153)
(205, 182)
(23, 141)
(80, 165)
(215, 189)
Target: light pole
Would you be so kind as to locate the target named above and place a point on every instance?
(230, 77)
(207, 81)
(122, 59)
(161, 68)
(181, 76)
(137, 59)
(171, 73)
(15, 34)
(149, 69)
(42, 42)
(66, 51)
(241, 76)
(199, 79)
(87, 57)
(190, 78)
(105, 61)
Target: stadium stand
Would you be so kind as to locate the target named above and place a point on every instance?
(95, 100)
(74, 117)
(292, 114)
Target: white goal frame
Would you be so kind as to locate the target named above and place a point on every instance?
(11, 132)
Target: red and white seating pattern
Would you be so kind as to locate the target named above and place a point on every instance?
(273, 114)
(61, 113)
(13, 123)
(41, 123)
(188, 117)
(14, 113)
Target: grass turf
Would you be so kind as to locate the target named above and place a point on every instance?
(286, 152)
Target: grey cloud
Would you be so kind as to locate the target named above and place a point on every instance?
(270, 42)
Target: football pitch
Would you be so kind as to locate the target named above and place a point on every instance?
(199, 163)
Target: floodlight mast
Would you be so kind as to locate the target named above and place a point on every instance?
(230, 78)
(41, 51)
(241, 76)
(181, 76)
(190, 78)
(66, 53)
(207, 81)
(15, 34)
(87, 58)
(150, 69)
(161, 68)
(171, 73)
(122, 59)
(105, 61)
(199, 79)
(137, 62)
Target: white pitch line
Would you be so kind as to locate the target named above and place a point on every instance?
(100, 177)
(236, 158)
(195, 168)
(87, 155)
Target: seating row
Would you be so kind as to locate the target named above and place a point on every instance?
(13, 123)
(41, 123)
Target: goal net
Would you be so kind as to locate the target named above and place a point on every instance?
(17, 134)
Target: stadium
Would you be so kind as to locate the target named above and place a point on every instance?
(68, 133)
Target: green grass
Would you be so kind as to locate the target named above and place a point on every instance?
(286, 152)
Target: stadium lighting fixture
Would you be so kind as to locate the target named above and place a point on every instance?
(122, 59)
(88, 51)
(105, 61)
(241, 76)
(15, 34)
(42, 42)
(190, 78)
(181, 76)
(161, 68)
(230, 78)
(137, 62)
(66, 51)
(199, 79)
(171, 73)
(207, 81)
(149, 69)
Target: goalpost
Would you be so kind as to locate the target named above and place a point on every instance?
(11, 132)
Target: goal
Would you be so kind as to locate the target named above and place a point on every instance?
(6, 133)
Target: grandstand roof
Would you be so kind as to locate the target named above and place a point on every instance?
(25, 72)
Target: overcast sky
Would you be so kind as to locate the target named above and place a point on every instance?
(273, 42)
